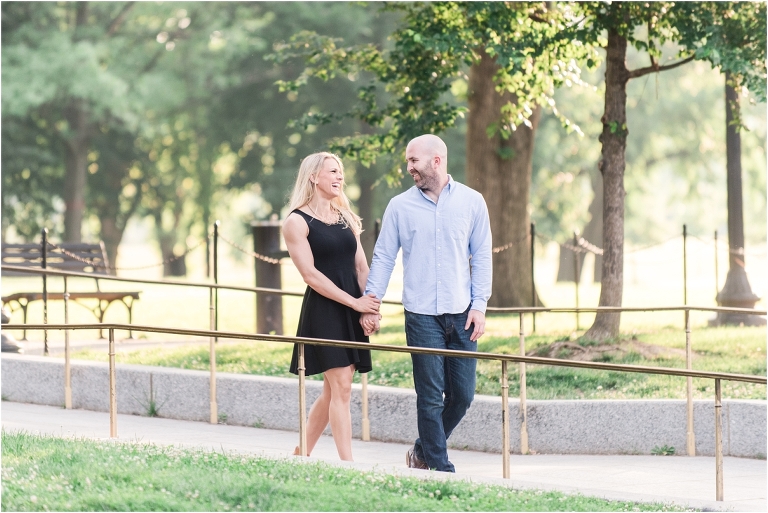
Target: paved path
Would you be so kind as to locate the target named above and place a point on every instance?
(669, 479)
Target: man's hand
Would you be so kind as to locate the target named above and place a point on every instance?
(370, 322)
(477, 318)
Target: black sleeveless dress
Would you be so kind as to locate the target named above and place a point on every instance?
(333, 249)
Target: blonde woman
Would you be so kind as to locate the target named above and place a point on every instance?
(323, 238)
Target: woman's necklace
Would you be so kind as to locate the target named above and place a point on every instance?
(320, 218)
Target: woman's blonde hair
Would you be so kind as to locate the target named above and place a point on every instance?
(304, 190)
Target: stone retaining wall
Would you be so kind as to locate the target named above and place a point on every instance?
(554, 427)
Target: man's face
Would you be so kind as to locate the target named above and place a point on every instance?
(420, 166)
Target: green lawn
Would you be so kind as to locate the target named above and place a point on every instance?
(52, 474)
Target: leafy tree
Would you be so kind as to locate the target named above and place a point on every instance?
(504, 58)
(619, 21)
(732, 37)
(59, 66)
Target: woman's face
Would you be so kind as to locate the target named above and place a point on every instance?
(329, 180)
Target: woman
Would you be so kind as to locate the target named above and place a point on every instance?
(323, 238)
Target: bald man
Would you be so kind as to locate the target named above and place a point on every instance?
(444, 231)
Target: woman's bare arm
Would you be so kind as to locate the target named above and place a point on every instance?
(295, 231)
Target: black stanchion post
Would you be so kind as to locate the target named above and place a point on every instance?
(685, 266)
(717, 281)
(376, 230)
(208, 257)
(44, 254)
(576, 274)
(269, 307)
(216, 275)
(533, 281)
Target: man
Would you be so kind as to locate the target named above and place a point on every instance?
(444, 231)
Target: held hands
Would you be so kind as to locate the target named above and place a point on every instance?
(478, 319)
(370, 322)
(368, 304)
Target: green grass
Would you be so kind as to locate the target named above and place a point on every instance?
(52, 474)
(728, 349)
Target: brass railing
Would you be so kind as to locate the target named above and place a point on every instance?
(212, 322)
(690, 436)
(502, 358)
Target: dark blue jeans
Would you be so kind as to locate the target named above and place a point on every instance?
(445, 387)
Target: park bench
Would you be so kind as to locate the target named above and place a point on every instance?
(78, 257)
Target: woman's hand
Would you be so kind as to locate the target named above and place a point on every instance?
(367, 304)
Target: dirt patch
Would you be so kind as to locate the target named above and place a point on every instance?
(567, 350)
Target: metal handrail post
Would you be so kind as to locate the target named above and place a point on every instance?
(576, 275)
(44, 253)
(366, 423)
(685, 265)
(690, 435)
(67, 368)
(717, 279)
(504, 420)
(523, 407)
(718, 442)
(533, 280)
(214, 409)
(112, 386)
(216, 274)
(302, 404)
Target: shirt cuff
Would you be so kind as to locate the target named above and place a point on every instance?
(479, 305)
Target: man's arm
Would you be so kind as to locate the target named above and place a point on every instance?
(480, 247)
(382, 264)
(384, 255)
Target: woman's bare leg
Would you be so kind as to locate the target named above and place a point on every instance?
(340, 381)
(317, 420)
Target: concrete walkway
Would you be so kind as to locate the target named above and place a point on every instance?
(672, 479)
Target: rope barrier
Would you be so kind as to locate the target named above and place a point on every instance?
(643, 248)
(99, 264)
(167, 260)
(253, 254)
(583, 245)
(505, 247)
(93, 262)
(733, 251)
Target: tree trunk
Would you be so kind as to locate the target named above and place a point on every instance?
(365, 181)
(736, 292)
(172, 265)
(612, 164)
(501, 171)
(111, 235)
(76, 162)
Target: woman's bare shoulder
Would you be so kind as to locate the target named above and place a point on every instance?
(295, 224)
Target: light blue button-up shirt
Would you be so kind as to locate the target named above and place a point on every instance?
(446, 250)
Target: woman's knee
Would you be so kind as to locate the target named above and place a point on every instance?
(340, 381)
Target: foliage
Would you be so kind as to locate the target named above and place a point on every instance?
(664, 450)
(180, 107)
(730, 36)
(43, 473)
(426, 68)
